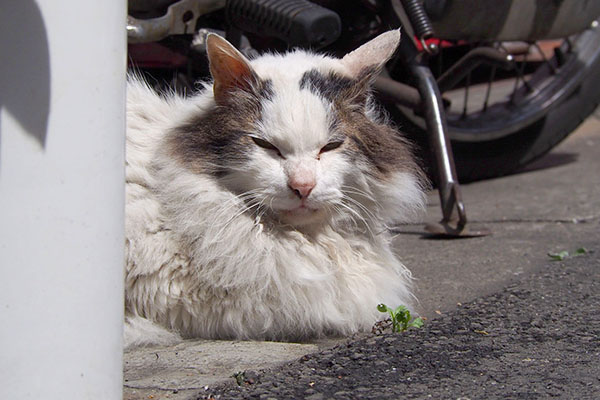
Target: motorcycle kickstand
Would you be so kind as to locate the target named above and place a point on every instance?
(454, 216)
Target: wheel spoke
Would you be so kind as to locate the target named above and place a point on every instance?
(539, 49)
(466, 97)
(520, 77)
(569, 45)
(440, 58)
(489, 89)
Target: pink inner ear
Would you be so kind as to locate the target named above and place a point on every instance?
(373, 54)
(228, 67)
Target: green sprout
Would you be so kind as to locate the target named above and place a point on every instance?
(564, 254)
(240, 377)
(401, 318)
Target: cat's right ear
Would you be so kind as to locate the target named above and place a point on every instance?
(229, 68)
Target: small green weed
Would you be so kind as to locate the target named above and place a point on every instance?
(401, 318)
(564, 254)
(240, 377)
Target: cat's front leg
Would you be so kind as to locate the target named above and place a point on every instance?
(140, 332)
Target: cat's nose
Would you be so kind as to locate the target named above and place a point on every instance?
(301, 188)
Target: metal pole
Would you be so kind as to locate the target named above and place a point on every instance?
(62, 101)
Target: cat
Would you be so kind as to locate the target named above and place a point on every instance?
(258, 208)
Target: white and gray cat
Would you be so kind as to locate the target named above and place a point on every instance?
(258, 208)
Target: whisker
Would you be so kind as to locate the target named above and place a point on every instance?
(357, 214)
(217, 236)
(358, 191)
(225, 208)
(353, 190)
(246, 201)
(362, 207)
(350, 217)
(362, 193)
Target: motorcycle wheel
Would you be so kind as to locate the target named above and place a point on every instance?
(539, 111)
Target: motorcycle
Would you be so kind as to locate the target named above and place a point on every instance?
(483, 87)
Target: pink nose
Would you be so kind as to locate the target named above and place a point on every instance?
(301, 188)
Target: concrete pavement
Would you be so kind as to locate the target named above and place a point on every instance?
(552, 206)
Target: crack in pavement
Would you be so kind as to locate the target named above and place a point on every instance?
(576, 220)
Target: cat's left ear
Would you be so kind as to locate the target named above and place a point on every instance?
(372, 56)
(229, 68)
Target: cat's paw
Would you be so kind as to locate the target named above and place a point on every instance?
(141, 332)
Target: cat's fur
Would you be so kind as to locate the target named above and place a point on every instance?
(217, 245)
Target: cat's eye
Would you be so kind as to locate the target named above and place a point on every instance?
(265, 145)
(331, 146)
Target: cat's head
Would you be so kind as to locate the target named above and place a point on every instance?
(298, 136)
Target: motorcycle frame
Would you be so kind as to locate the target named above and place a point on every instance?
(428, 99)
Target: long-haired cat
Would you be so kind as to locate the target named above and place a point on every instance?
(258, 208)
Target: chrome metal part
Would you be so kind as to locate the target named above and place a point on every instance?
(454, 217)
(418, 18)
(448, 229)
(472, 60)
(408, 33)
(516, 48)
(179, 19)
(432, 48)
(398, 92)
(199, 43)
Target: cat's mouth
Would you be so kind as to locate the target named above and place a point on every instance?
(301, 210)
(301, 215)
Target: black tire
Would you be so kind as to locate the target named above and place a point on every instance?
(557, 116)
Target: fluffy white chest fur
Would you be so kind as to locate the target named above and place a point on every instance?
(258, 208)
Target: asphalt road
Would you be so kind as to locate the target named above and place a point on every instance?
(537, 339)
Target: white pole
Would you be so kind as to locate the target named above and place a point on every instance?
(62, 93)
